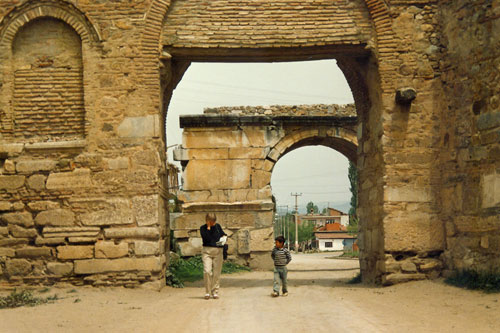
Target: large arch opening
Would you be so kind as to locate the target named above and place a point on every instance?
(354, 56)
(341, 139)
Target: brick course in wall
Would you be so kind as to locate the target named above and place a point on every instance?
(240, 24)
(48, 103)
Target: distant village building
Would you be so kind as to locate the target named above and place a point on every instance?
(330, 230)
(333, 216)
(334, 237)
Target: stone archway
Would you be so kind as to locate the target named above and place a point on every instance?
(228, 156)
(411, 155)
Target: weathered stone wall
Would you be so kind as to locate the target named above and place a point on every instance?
(470, 134)
(413, 232)
(82, 180)
(228, 160)
(413, 157)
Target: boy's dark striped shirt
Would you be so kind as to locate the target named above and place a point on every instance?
(281, 256)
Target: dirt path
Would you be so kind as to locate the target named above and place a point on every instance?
(319, 301)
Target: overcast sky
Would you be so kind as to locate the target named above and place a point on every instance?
(318, 172)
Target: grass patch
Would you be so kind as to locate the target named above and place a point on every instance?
(350, 254)
(24, 298)
(356, 279)
(229, 267)
(190, 270)
(469, 279)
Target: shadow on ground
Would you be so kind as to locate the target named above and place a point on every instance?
(238, 281)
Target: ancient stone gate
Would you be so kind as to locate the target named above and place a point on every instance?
(228, 155)
(85, 87)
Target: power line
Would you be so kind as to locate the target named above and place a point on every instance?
(314, 175)
(330, 192)
(283, 92)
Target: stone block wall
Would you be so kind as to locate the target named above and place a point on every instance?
(61, 220)
(221, 177)
(82, 158)
(470, 134)
(398, 149)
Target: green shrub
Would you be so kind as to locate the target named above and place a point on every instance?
(191, 269)
(23, 298)
(230, 267)
(474, 280)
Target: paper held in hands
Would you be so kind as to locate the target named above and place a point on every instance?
(222, 241)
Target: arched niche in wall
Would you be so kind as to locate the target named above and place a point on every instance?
(48, 81)
(43, 46)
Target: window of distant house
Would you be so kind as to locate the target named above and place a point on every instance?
(328, 244)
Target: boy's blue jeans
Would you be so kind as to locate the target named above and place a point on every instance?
(280, 273)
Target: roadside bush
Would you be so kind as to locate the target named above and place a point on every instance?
(469, 279)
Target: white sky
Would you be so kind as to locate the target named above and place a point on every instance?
(320, 173)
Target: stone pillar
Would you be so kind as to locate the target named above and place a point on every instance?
(224, 175)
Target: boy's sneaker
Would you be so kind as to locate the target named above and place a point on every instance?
(285, 293)
(274, 294)
(207, 296)
(216, 296)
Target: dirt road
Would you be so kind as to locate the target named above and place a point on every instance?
(319, 301)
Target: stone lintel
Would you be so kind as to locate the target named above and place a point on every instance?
(257, 205)
(210, 120)
(244, 54)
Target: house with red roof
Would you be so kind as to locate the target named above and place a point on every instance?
(334, 237)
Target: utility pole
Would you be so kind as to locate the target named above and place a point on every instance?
(296, 195)
(282, 223)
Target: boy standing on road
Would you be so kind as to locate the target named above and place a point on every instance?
(281, 257)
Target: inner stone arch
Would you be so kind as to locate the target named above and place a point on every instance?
(340, 138)
(228, 159)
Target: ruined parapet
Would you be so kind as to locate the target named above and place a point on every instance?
(346, 110)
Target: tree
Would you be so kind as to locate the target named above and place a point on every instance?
(311, 207)
(306, 230)
(353, 179)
